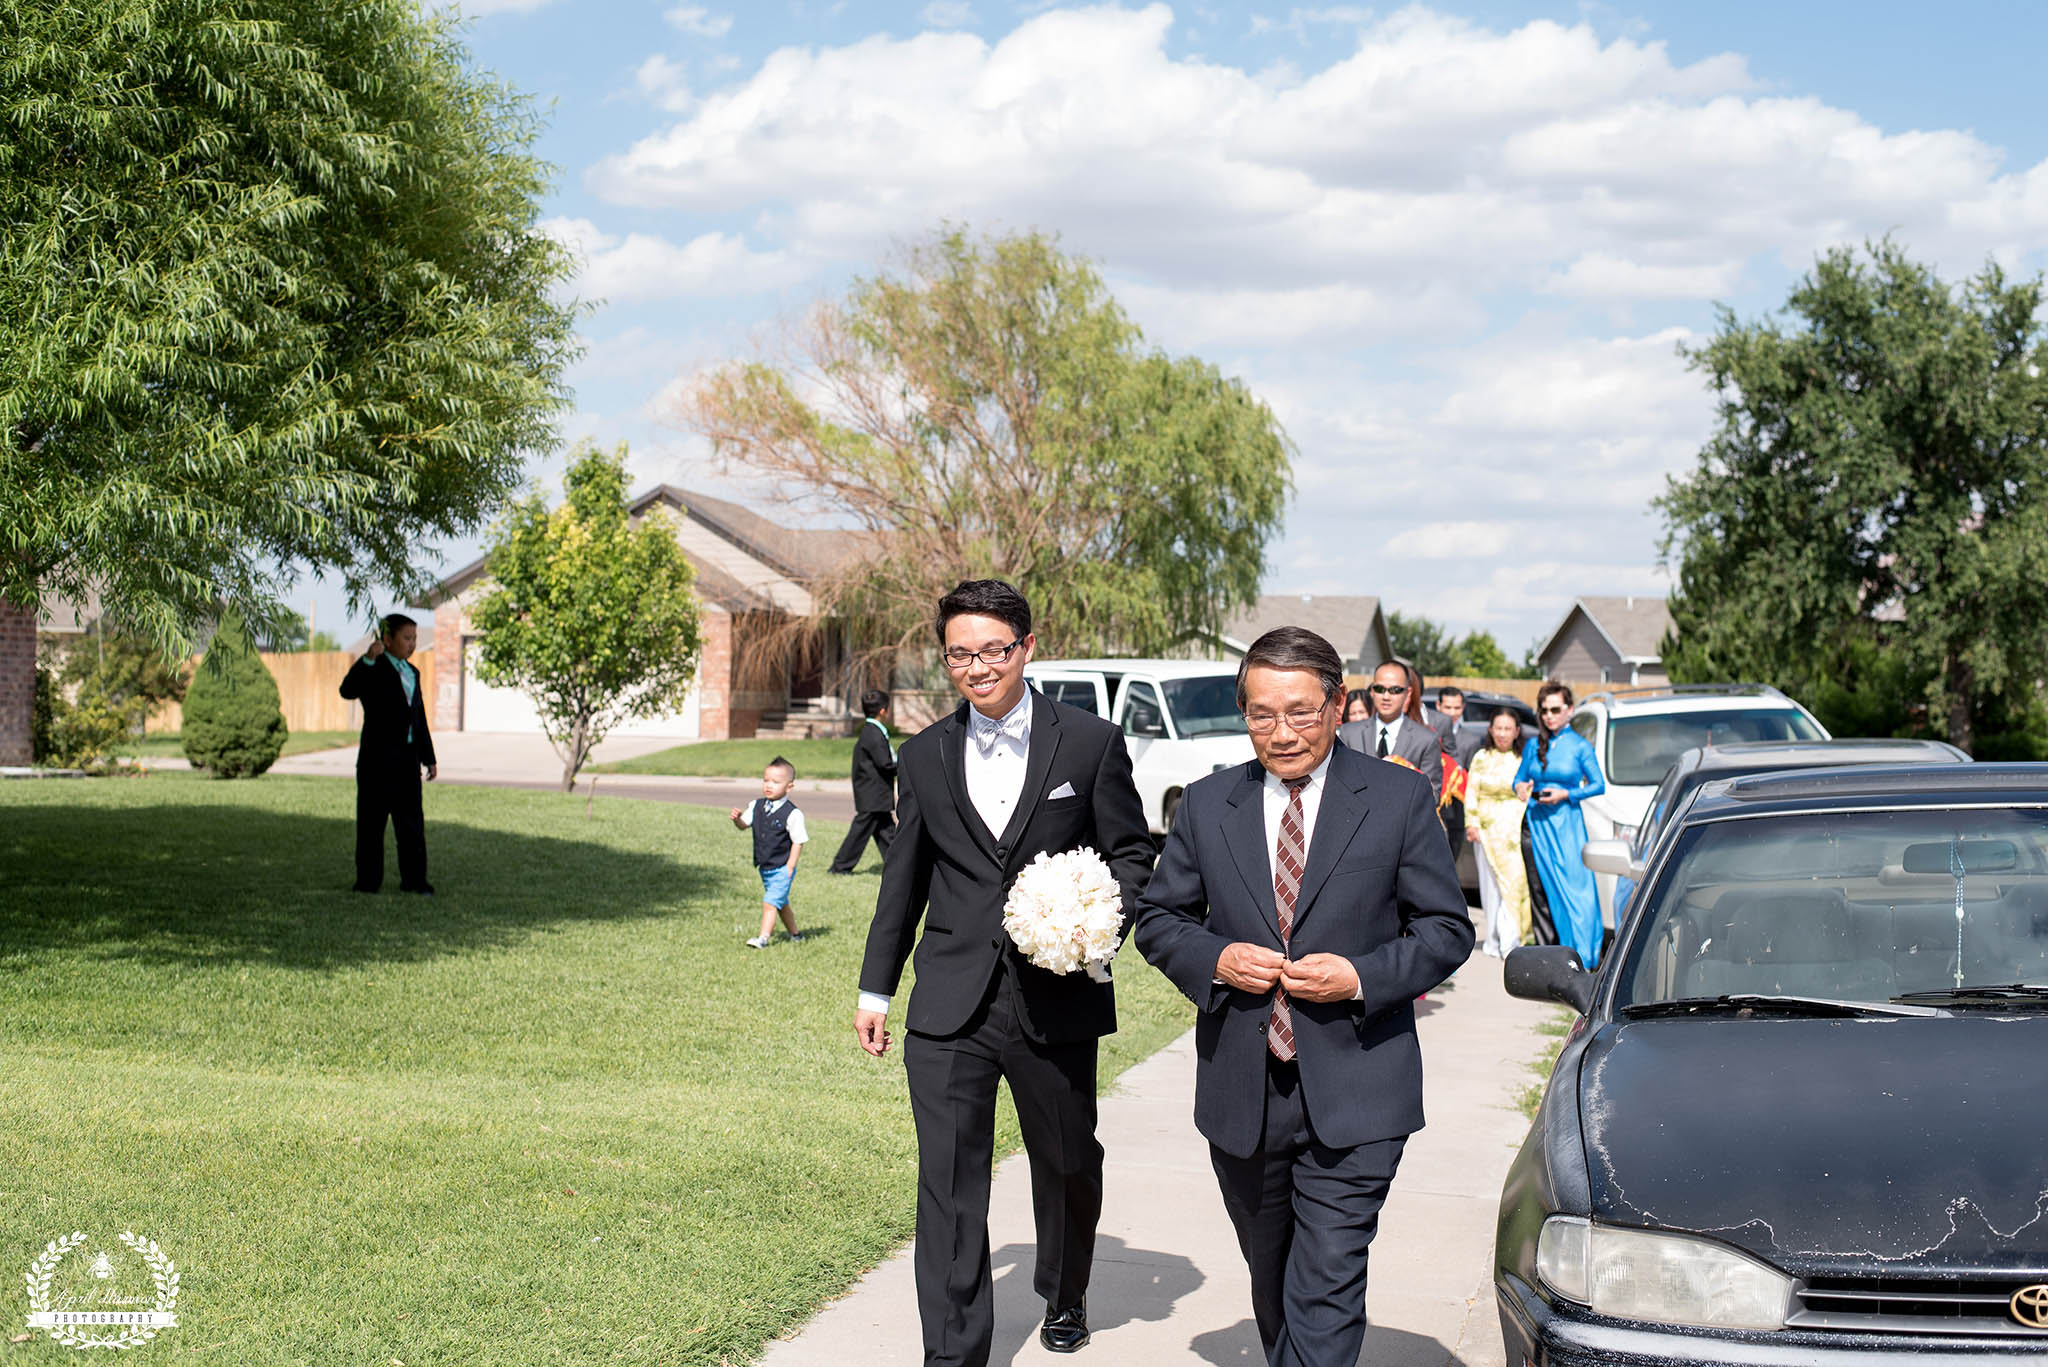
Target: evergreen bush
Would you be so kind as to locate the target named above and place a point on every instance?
(233, 726)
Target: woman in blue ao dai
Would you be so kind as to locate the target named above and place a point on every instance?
(1559, 771)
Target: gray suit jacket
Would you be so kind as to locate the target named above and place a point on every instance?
(1379, 889)
(1414, 742)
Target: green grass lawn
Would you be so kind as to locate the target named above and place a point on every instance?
(298, 743)
(556, 1114)
(741, 759)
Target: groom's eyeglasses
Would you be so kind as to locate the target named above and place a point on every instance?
(994, 655)
(1262, 723)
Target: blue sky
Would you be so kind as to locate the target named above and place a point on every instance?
(1456, 246)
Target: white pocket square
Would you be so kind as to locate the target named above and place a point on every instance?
(1064, 790)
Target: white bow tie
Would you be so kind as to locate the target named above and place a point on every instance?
(987, 731)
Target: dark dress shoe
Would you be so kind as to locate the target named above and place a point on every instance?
(1065, 1331)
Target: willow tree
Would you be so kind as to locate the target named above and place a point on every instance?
(987, 409)
(272, 298)
(1874, 499)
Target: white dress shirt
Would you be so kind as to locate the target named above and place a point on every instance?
(1375, 726)
(995, 784)
(1274, 796)
(799, 833)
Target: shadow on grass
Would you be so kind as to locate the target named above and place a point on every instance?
(202, 884)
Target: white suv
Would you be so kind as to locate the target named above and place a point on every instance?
(1180, 718)
(1639, 733)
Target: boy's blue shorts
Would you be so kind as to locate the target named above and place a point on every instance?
(775, 881)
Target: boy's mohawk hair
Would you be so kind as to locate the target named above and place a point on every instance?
(780, 763)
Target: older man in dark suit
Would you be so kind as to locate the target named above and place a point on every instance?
(1011, 774)
(1302, 902)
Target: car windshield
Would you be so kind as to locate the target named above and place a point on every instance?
(1641, 749)
(1852, 906)
(1204, 706)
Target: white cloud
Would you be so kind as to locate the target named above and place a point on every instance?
(695, 19)
(640, 266)
(947, 14)
(1419, 254)
(662, 81)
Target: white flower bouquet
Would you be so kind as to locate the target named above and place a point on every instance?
(1066, 912)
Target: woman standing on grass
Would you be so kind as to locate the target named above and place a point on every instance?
(1559, 771)
(1493, 823)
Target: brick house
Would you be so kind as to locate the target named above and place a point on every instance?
(753, 580)
(1617, 640)
(20, 630)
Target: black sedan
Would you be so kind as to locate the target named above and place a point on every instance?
(1804, 1118)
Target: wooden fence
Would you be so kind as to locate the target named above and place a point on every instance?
(308, 689)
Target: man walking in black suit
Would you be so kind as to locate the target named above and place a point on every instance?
(874, 786)
(394, 746)
(1302, 902)
(1009, 775)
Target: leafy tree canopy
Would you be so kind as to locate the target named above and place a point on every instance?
(1878, 478)
(1433, 650)
(271, 296)
(988, 410)
(591, 616)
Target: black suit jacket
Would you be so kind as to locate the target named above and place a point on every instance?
(874, 771)
(387, 716)
(1379, 889)
(948, 869)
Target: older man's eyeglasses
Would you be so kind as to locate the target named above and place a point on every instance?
(957, 658)
(1262, 723)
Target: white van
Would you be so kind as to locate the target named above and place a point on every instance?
(1180, 718)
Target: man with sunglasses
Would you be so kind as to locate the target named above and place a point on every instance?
(1008, 776)
(1389, 733)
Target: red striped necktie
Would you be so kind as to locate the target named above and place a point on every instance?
(1289, 856)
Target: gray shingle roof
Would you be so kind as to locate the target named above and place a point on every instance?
(1636, 625)
(1344, 620)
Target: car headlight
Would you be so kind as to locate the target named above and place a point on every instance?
(1635, 1274)
(1627, 833)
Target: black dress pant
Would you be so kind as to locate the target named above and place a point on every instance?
(390, 792)
(1305, 1216)
(881, 826)
(953, 1100)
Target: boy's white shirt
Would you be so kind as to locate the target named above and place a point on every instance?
(799, 834)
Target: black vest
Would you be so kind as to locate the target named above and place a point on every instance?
(771, 833)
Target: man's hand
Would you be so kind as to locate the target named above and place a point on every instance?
(433, 772)
(376, 647)
(1320, 978)
(1249, 967)
(868, 1029)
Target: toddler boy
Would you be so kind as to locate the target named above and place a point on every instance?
(779, 839)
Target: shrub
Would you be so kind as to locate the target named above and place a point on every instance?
(233, 727)
(75, 733)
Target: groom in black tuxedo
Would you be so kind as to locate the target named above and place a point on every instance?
(1008, 775)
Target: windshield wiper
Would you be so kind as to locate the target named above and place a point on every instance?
(2002, 994)
(1761, 1001)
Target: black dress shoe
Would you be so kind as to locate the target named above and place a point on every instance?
(1065, 1331)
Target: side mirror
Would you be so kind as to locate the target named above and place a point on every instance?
(1550, 973)
(1612, 856)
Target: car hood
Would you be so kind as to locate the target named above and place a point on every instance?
(1827, 1145)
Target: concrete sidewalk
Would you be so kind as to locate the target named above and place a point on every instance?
(1169, 1284)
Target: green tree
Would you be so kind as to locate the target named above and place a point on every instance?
(988, 409)
(126, 668)
(1478, 656)
(272, 294)
(1421, 642)
(1879, 476)
(233, 726)
(592, 617)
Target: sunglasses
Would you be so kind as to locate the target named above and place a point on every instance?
(1555, 711)
(1389, 689)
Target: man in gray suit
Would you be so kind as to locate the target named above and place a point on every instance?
(1302, 901)
(1390, 734)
